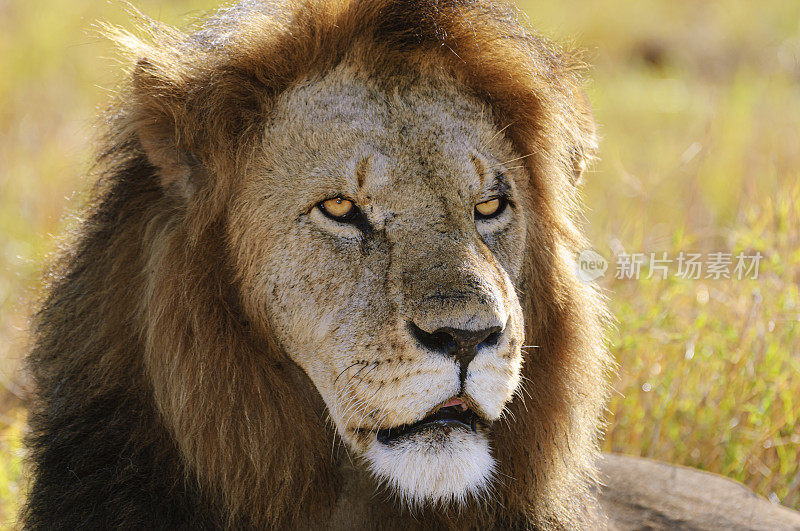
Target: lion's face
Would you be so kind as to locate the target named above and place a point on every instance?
(381, 235)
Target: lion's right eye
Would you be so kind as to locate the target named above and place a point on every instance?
(339, 209)
(491, 208)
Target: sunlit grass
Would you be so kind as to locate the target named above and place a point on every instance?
(710, 369)
(699, 112)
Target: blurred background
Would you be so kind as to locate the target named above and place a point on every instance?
(698, 105)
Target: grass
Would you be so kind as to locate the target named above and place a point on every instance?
(699, 112)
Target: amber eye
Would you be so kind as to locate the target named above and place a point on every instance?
(491, 208)
(339, 209)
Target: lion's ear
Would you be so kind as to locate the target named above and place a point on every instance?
(585, 144)
(179, 172)
(163, 130)
(579, 165)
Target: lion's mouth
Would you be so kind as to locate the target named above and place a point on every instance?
(452, 414)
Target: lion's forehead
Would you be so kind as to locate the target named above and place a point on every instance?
(348, 97)
(322, 129)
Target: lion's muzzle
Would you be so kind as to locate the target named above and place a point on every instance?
(462, 345)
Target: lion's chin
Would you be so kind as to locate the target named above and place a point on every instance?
(434, 467)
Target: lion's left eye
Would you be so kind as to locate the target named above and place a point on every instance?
(339, 209)
(491, 208)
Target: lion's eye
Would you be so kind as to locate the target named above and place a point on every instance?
(491, 208)
(339, 209)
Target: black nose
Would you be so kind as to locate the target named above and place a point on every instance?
(461, 344)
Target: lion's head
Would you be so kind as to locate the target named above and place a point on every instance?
(380, 231)
(364, 213)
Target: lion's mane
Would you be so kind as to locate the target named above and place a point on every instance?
(158, 404)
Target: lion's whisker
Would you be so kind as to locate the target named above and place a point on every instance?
(517, 158)
(496, 134)
(382, 415)
(360, 404)
(353, 397)
(346, 369)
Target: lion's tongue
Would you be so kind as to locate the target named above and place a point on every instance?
(455, 402)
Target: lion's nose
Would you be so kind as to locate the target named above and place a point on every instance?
(463, 345)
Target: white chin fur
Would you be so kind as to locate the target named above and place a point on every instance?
(434, 468)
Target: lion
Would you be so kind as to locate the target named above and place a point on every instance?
(327, 280)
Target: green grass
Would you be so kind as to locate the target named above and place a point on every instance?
(699, 112)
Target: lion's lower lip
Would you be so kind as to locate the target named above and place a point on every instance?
(446, 417)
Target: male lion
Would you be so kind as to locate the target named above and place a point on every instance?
(322, 225)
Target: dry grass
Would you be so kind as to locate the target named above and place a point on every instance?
(699, 106)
